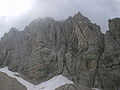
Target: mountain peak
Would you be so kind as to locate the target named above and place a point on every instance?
(74, 48)
(79, 14)
(114, 25)
(80, 17)
(13, 29)
(42, 20)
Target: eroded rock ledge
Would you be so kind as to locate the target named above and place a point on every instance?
(75, 48)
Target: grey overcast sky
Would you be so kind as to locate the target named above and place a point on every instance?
(19, 13)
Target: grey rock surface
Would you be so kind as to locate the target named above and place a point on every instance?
(72, 87)
(109, 67)
(75, 48)
(85, 45)
(9, 83)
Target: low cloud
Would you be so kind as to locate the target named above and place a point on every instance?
(98, 11)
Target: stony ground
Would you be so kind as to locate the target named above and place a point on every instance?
(9, 83)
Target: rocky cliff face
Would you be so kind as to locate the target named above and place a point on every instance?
(75, 48)
(109, 67)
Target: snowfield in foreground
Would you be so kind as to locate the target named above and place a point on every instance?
(51, 84)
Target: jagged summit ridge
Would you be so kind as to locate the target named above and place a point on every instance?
(75, 48)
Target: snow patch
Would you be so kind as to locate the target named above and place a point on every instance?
(29, 85)
(51, 84)
(95, 89)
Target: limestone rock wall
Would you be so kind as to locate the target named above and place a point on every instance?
(75, 48)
